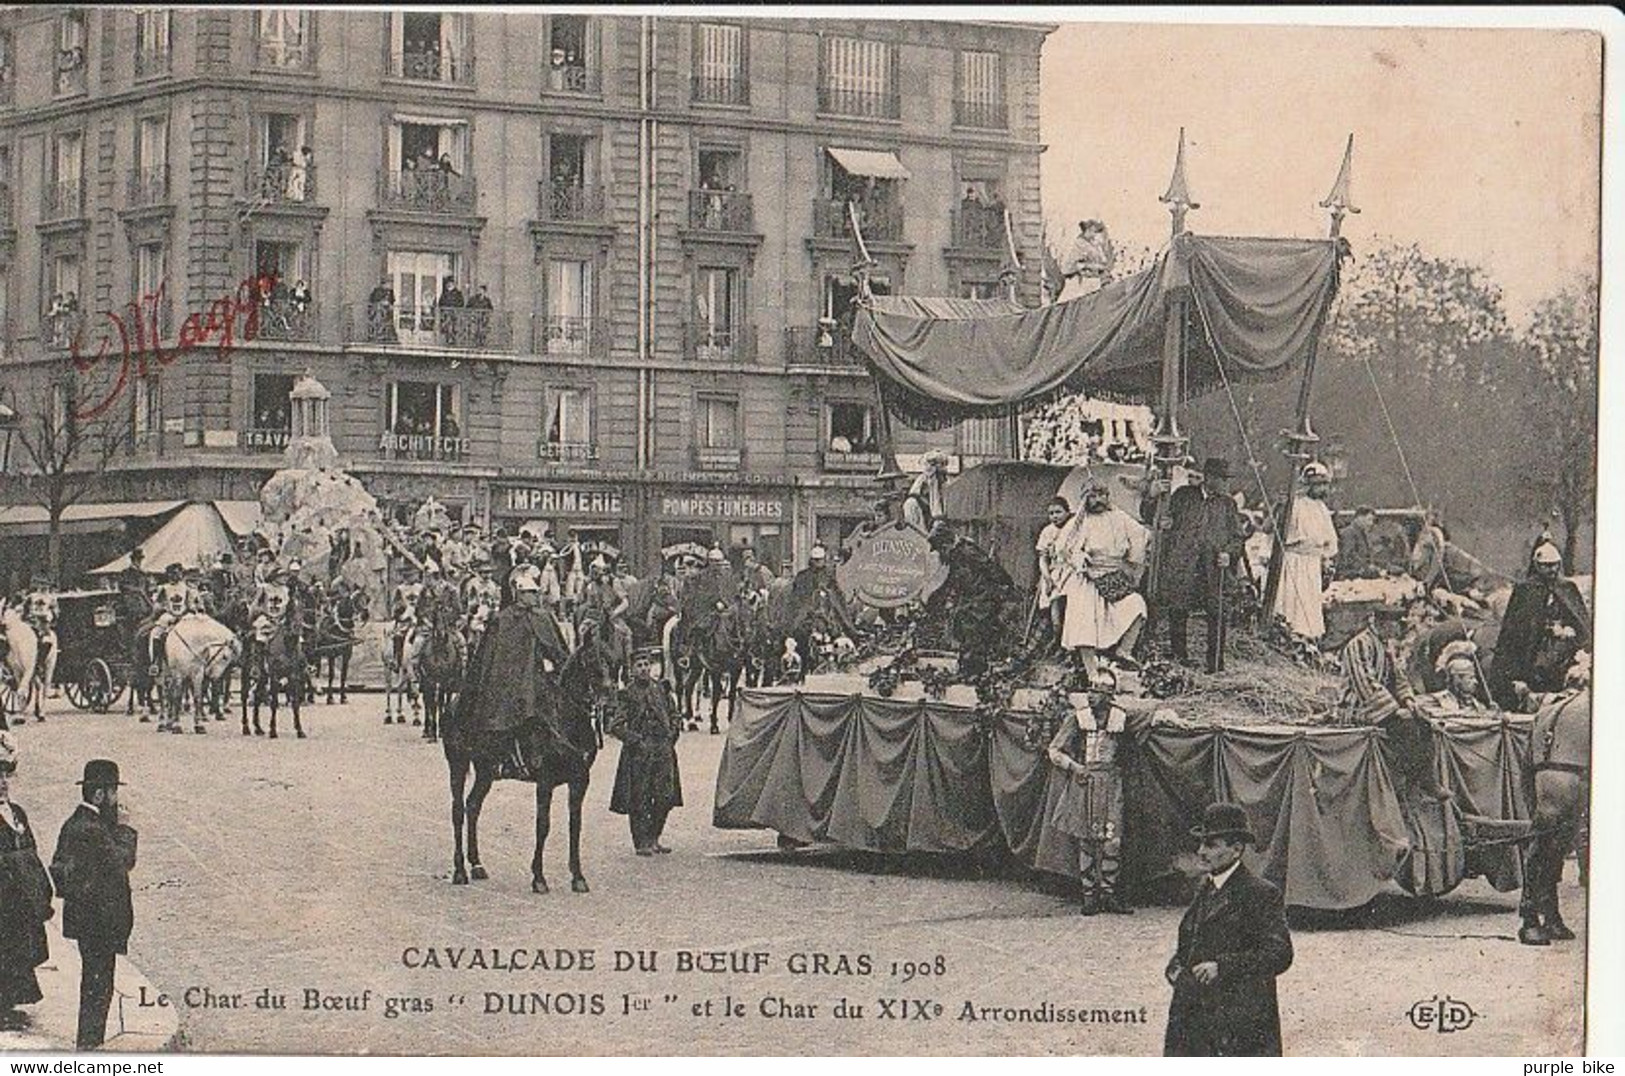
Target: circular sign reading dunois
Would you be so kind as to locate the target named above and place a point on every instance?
(891, 566)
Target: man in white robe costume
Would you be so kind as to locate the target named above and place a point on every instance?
(1101, 541)
(1311, 544)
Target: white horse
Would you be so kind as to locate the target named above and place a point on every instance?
(198, 652)
(18, 685)
(400, 669)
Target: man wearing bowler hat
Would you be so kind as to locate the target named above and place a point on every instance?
(1201, 535)
(1233, 942)
(95, 853)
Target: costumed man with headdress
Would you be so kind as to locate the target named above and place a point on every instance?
(1088, 262)
(972, 601)
(1464, 693)
(922, 505)
(1311, 545)
(647, 782)
(1106, 551)
(1545, 627)
(174, 599)
(1090, 807)
(514, 668)
(1202, 535)
(604, 603)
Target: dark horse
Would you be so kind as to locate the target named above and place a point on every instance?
(558, 748)
(1560, 763)
(713, 652)
(439, 664)
(274, 666)
(341, 614)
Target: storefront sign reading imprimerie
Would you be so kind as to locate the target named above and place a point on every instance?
(721, 506)
(546, 501)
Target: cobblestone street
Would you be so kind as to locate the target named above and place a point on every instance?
(319, 864)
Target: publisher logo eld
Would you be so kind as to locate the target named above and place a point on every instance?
(1443, 1015)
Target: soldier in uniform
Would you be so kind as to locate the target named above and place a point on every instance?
(1090, 808)
(647, 782)
(175, 598)
(604, 602)
(481, 598)
(758, 577)
(441, 604)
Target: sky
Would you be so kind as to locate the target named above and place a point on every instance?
(1480, 145)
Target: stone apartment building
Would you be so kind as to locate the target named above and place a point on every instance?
(653, 208)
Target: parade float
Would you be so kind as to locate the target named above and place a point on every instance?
(902, 751)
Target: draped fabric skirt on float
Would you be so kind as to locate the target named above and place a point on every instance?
(1093, 621)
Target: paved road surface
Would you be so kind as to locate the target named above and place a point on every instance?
(315, 864)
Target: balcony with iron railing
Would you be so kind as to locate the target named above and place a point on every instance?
(152, 60)
(280, 184)
(426, 190)
(562, 200)
(721, 211)
(428, 328)
(431, 65)
(988, 115)
(729, 90)
(62, 201)
(567, 452)
(880, 218)
(148, 186)
(979, 227)
(718, 344)
(574, 78)
(821, 346)
(569, 336)
(864, 104)
(287, 319)
(60, 330)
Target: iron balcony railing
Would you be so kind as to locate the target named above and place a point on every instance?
(990, 115)
(431, 65)
(280, 183)
(979, 227)
(562, 200)
(63, 201)
(426, 190)
(287, 319)
(872, 104)
(428, 328)
(62, 329)
(720, 211)
(880, 218)
(707, 343)
(820, 345)
(569, 335)
(573, 78)
(721, 91)
(148, 186)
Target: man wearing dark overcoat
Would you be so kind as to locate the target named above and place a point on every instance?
(1233, 942)
(647, 784)
(1201, 534)
(521, 652)
(95, 853)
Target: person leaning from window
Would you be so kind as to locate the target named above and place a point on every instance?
(381, 312)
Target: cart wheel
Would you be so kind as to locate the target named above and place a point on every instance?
(97, 683)
(76, 694)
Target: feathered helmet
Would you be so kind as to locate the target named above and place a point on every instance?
(1462, 651)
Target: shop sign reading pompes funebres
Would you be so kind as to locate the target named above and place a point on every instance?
(722, 506)
(552, 501)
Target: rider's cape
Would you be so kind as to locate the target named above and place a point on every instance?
(510, 671)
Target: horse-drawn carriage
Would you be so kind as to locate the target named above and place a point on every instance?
(94, 664)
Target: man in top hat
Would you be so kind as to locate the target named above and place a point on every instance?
(1545, 627)
(1311, 545)
(647, 782)
(95, 853)
(1233, 942)
(1201, 535)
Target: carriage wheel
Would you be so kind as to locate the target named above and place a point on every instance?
(99, 687)
(76, 694)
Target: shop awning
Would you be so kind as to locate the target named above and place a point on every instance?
(192, 539)
(241, 517)
(26, 520)
(880, 164)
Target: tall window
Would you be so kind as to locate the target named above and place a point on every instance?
(858, 78)
(569, 306)
(70, 53)
(145, 407)
(283, 167)
(272, 417)
(8, 67)
(149, 270)
(284, 37)
(430, 46)
(424, 421)
(428, 163)
(567, 431)
(851, 427)
(571, 193)
(719, 422)
(715, 302)
(65, 195)
(281, 259)
(149, 184)
(568, 66)
(152, 28)
(719, 64)
(980, 102)
(418, 278)
(62, 276)
(63, 286)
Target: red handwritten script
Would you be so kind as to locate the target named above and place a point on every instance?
(135, 331)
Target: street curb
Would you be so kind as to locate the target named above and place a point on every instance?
(131, 1028)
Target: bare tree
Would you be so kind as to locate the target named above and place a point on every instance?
(1557, 427)
(64, 452)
